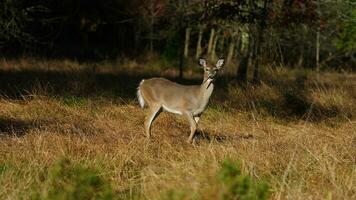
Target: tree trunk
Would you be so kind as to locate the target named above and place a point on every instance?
(317, 49)
(245, 56)
(151, 25)
(213, 49)
(200, 37)
(317, 56)
(210, 44)
(242, 70)
(181, 31)
(257, 56)
(262, 24)
(137, 37)
(186, 41)
(301, 56)
(220, 47)
(181, 58)
(230, 53)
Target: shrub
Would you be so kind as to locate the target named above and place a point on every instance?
(239, 186)
(232, 184)
(65, 181)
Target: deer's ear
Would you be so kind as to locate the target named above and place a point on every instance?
(219, 63)
(202, 62)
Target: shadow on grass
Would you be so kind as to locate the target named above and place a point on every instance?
(18, 128)
(296, 104)
(293, 104)
(16, 84)
(15, 127)
(206, 136)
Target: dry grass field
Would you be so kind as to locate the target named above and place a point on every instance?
(295, 134)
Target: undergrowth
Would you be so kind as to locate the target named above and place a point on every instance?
(67, 181)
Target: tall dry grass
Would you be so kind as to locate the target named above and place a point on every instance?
(295, 134)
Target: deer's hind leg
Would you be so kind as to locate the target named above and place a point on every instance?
(153, 112)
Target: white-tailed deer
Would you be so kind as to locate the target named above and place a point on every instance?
(188, 100)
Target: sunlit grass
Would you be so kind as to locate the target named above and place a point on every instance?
(291, 133)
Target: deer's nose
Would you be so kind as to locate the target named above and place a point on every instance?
(212, 74)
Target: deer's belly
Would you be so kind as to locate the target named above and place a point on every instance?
(193, 109)
(198, 111)
(171, 110)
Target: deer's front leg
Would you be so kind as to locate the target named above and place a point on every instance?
(193, 126)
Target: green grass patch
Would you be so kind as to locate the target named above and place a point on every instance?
(67, 181)
(236, 185)
(74, 101)
(232, 184)
(3, 168)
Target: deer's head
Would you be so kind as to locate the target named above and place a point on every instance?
(210, 71)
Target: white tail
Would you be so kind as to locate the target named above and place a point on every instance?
(189, 100)
(139, 95)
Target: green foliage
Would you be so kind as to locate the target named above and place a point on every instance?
(239, 186)
(174, 195)
(347, 36)
(3, 168)
(73, 101)
(66, 181)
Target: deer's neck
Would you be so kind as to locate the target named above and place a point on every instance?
(206, 89)
(207, 83)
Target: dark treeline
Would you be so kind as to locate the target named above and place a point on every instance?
(297, 33)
